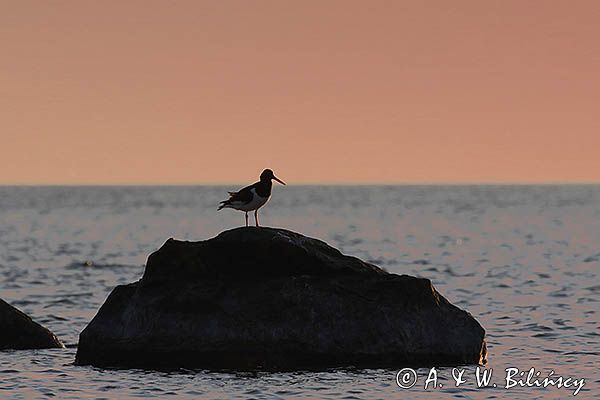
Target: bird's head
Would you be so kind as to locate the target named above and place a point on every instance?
(268, 174)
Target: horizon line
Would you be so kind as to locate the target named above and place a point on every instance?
(406, 183)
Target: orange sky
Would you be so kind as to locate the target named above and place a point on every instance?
(321, 91)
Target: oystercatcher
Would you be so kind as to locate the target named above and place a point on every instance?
(252, 197)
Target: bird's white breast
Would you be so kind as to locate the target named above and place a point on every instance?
(256, 203)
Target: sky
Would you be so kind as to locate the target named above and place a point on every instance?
(192, 92)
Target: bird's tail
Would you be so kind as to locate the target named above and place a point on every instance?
(225, 203)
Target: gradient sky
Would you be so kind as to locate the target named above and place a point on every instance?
(176, 92)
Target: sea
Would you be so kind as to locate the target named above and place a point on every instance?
(523, 260)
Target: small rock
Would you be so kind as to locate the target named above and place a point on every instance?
(20, 332)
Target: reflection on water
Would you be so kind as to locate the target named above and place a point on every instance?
(523, 260)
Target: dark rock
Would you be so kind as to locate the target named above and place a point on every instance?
(20, 332)
(274, 299)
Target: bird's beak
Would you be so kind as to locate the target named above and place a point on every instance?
(278, 180)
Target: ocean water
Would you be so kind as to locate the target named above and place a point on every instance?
(524, 260)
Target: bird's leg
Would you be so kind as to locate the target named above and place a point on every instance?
(246, 218)
(256, 217)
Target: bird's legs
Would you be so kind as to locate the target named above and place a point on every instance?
(246, 218)
(256, 217)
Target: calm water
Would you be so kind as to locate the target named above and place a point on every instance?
(525, 261)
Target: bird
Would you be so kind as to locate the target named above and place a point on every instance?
(252, 197)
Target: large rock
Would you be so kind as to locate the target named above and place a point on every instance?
(18, 331)
(274, 299)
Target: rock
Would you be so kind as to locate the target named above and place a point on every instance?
(274, 299)
(20, 332)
